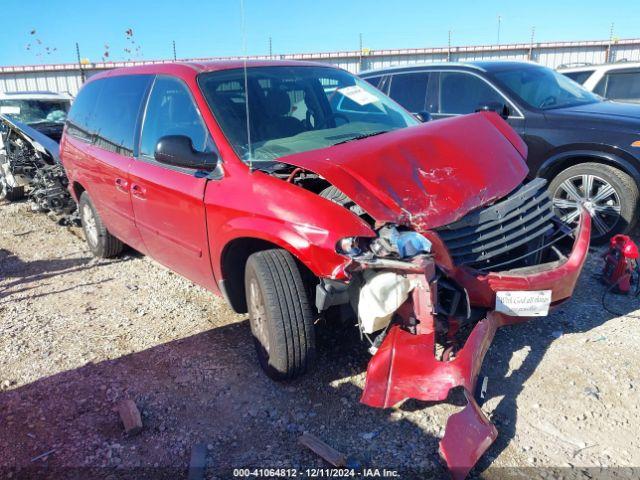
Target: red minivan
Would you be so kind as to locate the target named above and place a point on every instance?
(292, 188)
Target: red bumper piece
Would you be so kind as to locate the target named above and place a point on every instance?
(405, 366)
(468, 434)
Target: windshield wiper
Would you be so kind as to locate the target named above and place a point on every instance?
(360, 137)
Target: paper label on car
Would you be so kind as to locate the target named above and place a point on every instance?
(358, 95)
(10, 110)
(524, 303)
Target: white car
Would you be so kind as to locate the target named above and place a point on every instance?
(615, 81)
(44, 111)
(31, 125)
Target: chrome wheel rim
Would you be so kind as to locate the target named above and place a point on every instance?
(89, 223)
(593, 193)
(257, 313)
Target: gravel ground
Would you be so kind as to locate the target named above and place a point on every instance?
(78, 335)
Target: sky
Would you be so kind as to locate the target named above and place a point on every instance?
(46, 31)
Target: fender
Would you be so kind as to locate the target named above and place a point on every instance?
(299, 240)
(624, 160)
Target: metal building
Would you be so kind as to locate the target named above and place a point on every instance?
(69, 77)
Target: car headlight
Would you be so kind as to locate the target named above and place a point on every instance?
(390, 243)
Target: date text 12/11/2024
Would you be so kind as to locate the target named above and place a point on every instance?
(315, 473)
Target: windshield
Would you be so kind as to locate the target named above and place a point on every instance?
(543, 88)
(35, 111)
(297, 109)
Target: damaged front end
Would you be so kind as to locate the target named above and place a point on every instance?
(430, 315)
(461, 244)
(29, 161)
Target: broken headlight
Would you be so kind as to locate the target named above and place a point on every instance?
(390, 243)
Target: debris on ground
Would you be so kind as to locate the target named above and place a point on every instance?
(130, 416)
(322, 449)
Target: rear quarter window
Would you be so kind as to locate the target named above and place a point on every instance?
(579, 77)
(79, 120)
(375, 81)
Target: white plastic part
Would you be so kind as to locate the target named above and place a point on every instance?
(381, 295)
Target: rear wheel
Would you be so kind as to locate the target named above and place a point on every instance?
(101, 243)
(280, 314)
(607, 193)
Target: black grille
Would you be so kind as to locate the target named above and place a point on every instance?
(507, 229)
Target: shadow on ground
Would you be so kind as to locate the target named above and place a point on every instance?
(208, 389)
(19, 272)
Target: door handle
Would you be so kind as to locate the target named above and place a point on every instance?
(122, 184)
(138, 191)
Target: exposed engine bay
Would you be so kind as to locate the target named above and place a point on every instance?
(30, 166)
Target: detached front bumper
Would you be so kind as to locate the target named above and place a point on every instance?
(405, 365)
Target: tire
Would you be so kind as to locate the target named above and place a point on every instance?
(11, 194)
(101, 243)
(615, 213)
(280, 314)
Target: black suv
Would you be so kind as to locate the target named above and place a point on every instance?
(588, 148)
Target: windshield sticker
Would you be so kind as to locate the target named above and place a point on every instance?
(358, 95)
(10, 110)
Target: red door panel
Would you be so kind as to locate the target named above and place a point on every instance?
(104, 175)
(169, 211)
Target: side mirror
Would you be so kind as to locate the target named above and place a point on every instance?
(500, 108)
(177, 150)
(423, 116)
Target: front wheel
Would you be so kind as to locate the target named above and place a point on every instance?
(607, 193)
(280, 314)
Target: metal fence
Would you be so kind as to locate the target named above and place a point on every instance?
(69, 77)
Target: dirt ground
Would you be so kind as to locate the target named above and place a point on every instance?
(77, 335)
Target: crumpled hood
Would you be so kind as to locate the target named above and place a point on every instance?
(428, 175)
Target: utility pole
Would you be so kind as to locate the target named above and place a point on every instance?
(80, 62)
(174, 51)
(607, 55)
(270, 47)
(533, 33)
(499, 25)
(360, 54)
(449, 48)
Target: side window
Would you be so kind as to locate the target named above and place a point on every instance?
(375, 81)
(171, 111)
(116, 112)
(80, 118)
(462, 93)
(623, 85)
(601, 86)
(410, 90)
(579, 77)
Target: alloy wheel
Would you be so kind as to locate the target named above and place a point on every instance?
(257, 313)
(90, 227)
(593, 193)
